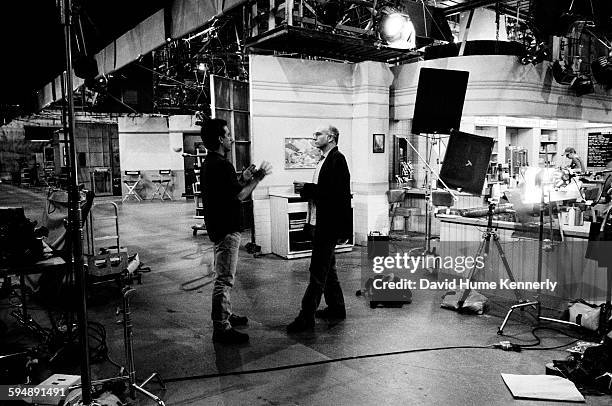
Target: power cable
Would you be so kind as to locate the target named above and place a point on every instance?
(322, 362)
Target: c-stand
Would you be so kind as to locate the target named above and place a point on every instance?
(75, 234)
(428, 192)
(128, 373)
(536, 304)
(75, 228)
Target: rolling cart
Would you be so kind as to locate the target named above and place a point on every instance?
(105, 257)
(197, 193)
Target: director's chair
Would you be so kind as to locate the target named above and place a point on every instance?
(131, 181)
(162, 183)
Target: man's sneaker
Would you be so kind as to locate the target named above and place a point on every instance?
(300, 324)
(229, 336)
(238, 320)
(331, 313)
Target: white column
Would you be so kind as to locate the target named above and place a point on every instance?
(369, 170)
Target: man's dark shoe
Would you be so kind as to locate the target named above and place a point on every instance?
(331, 313)
(300, 324)
(229, 336)
(238, 320)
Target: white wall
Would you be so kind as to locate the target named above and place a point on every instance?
(146, 144)
(143, 143)
(290, 98)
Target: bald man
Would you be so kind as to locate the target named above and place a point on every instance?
(330, 222)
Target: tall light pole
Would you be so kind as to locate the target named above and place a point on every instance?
(75, 229)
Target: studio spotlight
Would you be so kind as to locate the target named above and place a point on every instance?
(329, 12)
(85, 67)
(562, 74)
(582, 85)
(397, 30)
(602, 71)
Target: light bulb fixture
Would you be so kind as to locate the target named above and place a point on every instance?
(329, 12)
(562, 73)
(397, 30)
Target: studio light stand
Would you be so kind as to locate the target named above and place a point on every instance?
(536, 304)
(75, 238)
(128, 373)
(75, 228)
(428, 194)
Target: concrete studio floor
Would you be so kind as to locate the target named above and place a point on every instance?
(172, 330)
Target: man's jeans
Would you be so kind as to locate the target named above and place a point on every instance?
(226, 259)
(323, 277)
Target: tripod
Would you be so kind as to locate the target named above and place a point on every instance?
(483, 251)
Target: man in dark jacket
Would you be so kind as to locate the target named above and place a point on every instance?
(330, 220)
(222, 192)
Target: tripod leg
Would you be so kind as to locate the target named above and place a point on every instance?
(500, 331)
(502, 255)
(148, 394)
(160, 381)
(484, 246)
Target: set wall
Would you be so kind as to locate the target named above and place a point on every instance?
(499, 85)
(146, 144)
(290, 98)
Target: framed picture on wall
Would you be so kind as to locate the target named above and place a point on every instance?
(300, 153)
(378, 143)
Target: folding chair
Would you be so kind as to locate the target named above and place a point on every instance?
(131, 180)
(162, 183)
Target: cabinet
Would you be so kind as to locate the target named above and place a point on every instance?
(491, 132)
(548, 147)
(288, 214)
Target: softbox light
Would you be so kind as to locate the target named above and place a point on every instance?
(439, 100)
(466, 162)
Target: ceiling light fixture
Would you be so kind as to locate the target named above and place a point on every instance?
(397, 30)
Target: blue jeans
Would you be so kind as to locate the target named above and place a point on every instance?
(323, 277)
(226, 259)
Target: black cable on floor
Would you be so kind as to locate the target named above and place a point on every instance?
(327, 361)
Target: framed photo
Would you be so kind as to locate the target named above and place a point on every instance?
(300, 153)
(378, 143)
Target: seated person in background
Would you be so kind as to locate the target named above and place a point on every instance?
(576, 164)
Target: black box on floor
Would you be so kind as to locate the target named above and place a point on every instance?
(378, 245)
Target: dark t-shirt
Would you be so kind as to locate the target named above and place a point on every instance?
(220, 188)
